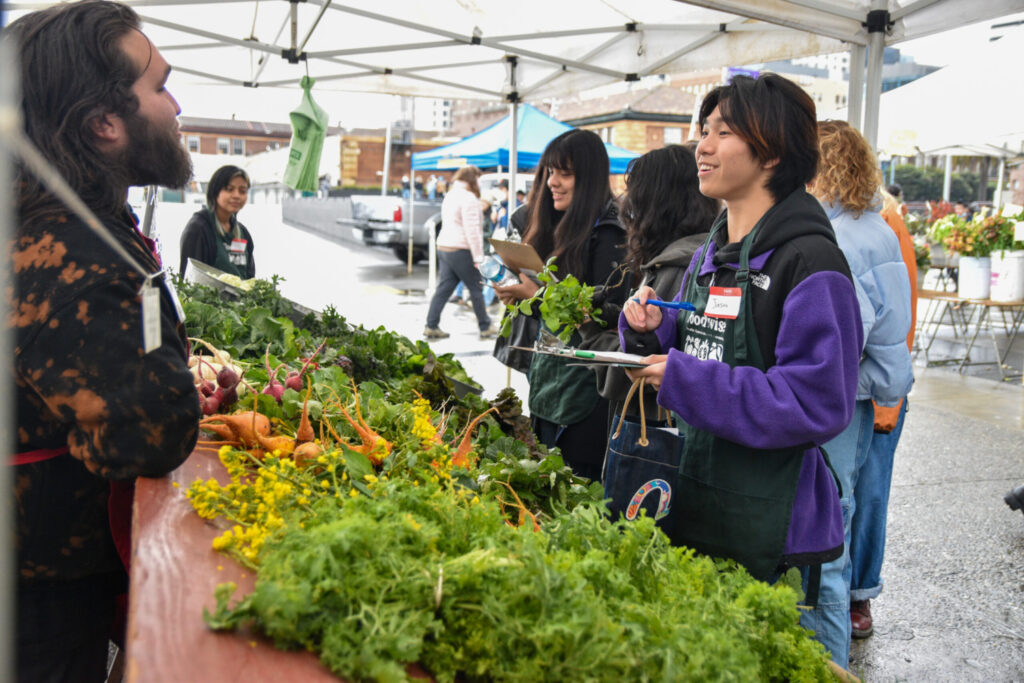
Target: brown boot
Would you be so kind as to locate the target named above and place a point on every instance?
(860, 618)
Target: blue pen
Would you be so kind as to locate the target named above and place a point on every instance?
(683, 305)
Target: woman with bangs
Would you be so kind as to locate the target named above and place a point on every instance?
(763, 370)
(848, 185)
(574, 217)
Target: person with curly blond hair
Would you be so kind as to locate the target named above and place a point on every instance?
(847, 185)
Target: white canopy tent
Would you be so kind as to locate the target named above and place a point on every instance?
(487, 49)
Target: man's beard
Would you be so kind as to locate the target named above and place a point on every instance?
(154, 156)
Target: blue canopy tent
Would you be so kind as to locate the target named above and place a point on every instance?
(489, 148)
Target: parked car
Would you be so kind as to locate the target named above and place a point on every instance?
(383, 221)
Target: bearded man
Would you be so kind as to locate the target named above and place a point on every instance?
(101, 398)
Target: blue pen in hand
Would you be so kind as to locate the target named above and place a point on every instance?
(681, 305)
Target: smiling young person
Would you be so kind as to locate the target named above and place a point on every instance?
(765, 369)
(214, 235)
(572, 215)
(94, 409)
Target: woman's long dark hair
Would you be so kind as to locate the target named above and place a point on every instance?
(663, 203)
(72, 70)
(565, 233)
(220, 179)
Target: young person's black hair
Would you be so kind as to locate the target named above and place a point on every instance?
(663, 203)
(220, 179)
(73, 69)
(565, 233)
(777, 119)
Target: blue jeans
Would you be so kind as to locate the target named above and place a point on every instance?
(871, 500)
(830, 620)
(489, 293)
(452, 267)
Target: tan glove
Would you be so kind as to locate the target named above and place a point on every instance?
(887, 417)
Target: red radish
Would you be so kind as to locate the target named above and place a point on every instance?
(227, 378)
(273, 388)
(210, 405)
(207, 387)
(229, 397)
(294, 378)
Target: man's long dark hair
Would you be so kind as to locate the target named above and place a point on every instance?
(565, 233)
(73, 69)
(663, 203)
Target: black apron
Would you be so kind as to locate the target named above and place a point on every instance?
(732, 500)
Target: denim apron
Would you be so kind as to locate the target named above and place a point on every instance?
(732, 500)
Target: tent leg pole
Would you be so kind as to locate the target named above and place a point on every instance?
(855, 94)
(947, 178)
(873, 89)
(10, 112)
(412, 181)
(997, 199)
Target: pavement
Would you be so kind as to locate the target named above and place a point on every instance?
(952, 607)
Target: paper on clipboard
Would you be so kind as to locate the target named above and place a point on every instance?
(584, 357)
(519, 256)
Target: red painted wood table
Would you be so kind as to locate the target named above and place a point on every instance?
(174, 573)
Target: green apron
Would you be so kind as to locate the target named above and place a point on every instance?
(732, 500)
(235, 263)
(561, 393)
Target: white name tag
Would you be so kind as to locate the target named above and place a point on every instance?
(724, 302)
(150, 317)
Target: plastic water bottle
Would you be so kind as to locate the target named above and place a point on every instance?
(496, 273)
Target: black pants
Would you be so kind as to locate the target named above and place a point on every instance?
(452, 267)
(583, 444)
(64, 627)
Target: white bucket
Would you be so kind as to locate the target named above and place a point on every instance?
(974, 277)
(1007, 282)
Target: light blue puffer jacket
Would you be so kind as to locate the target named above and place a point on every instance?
(883, 290)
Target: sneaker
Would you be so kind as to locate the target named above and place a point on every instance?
(860, 618)
(435, 333)
(490, 333)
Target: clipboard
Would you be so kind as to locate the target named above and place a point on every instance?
(522, 258)
(594, 358)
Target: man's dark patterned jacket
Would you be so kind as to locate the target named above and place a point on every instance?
(83, 382)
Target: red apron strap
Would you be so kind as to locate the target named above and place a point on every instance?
(39, 455)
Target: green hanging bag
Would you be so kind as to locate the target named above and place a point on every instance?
(309, 128)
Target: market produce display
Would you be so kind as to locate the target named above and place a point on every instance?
(392, 523)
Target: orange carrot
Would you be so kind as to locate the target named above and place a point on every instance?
(284, 444)
(241, 428)
(305, 431)
(460, 458)
(306, 452)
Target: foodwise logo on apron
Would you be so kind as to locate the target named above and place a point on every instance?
(664, 501)
(706, 337)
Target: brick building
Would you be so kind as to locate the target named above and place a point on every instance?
(230, 136)
(638, 121)
(362, 156)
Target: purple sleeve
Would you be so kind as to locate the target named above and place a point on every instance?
(808, 396)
